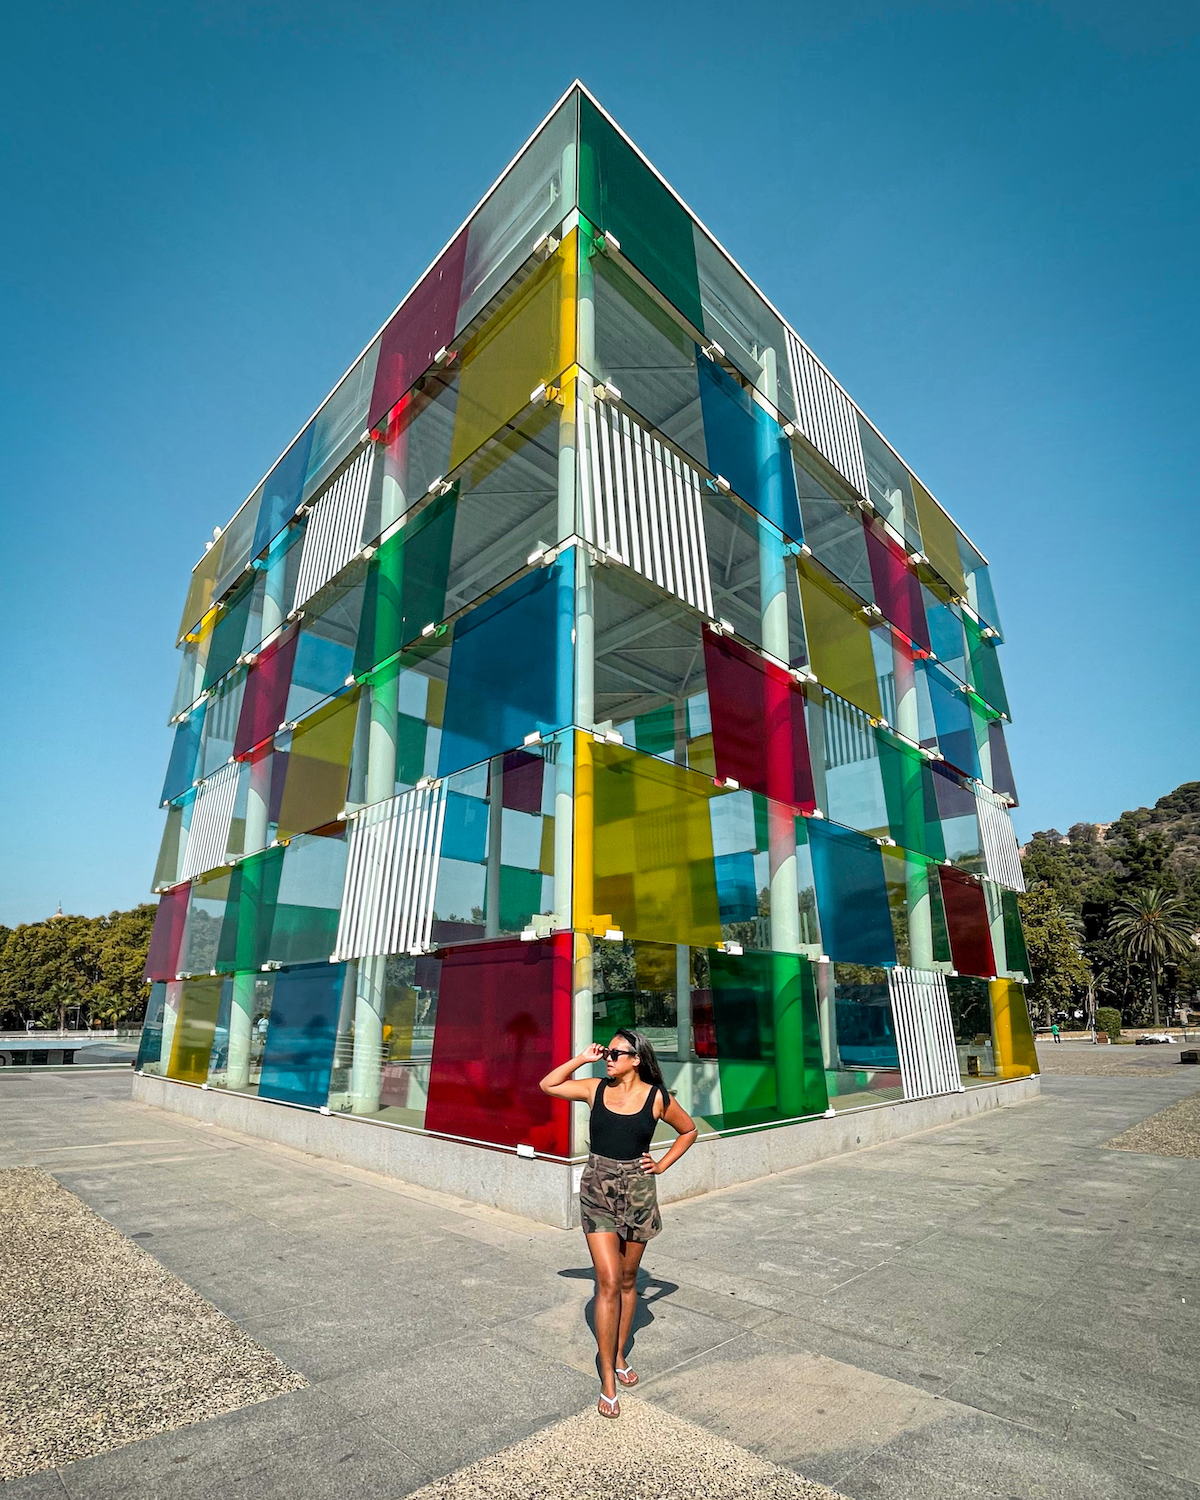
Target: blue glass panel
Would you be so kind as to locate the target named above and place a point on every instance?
(150, 1047)
(298, 1054)
(952, 719)
(746, 446)
(464, 829)
(510, 668)
(946, 634)
(185, 752)
(737, 895)
(856, 925)
(282, 490)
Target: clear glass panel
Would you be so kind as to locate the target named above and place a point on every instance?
(206, 913)
(533, 197)
(854, 783)
(325, 649)
(889, 485)
(386, 1074)
(308, 900)
(341, 419)
(858, 1035)
(237, 544)
(971, 1017)
(221, 722)
(750, 566)
(150, 1046)
(619, 193)
(960, 820)
(742, 323)
(200, 590)
(503, 1021)
(979, 585)
(174, 842)
(834, 530)
(643, 351)
(852, 898)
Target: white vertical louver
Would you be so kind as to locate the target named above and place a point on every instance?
(999, 841)
(642, 504)
(208, 833)
(924, 1033)
(826, 416)
(391, 875)
(334, 531)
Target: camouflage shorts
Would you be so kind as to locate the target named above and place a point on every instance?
(617, 1197)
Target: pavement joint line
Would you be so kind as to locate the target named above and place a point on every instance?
(107, 1145)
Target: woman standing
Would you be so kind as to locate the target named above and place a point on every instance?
(618, 1202)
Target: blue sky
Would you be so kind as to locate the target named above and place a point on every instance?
(983, 217)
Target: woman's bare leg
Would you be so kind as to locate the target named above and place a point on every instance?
(606, 1258)
(630, 1258)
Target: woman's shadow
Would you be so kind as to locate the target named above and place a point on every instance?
(651, 1289)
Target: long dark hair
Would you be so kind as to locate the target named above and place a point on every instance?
(648, 1067)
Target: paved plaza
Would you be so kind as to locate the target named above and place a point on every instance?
(1002, 1307)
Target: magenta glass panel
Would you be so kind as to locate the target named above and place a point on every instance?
(897, 588)
(423, 324)
(264, 703)
(503, 1021)
(967, 921)
(523, 781)
(759, 733)
(166, 940)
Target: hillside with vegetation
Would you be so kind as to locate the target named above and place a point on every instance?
(1082, 881)
(75, 971)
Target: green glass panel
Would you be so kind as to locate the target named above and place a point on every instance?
(250, 912)
(620, 194)
(913, 819)
(1014, 934)
(406, 584)
(767, 1036)
(229, 633)
(984, 666)
(520, 897)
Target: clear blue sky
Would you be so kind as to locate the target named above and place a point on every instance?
(983, 217)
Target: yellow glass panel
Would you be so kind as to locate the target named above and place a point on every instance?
(318, 767)
(1016, 1055)
(652, 847)
(939, 539)
(200, 590)
(839, 640)
(191, 1044)
(528, 343)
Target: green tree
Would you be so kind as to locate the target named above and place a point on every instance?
(1060, 974)
(1153, 929)
(90, 964)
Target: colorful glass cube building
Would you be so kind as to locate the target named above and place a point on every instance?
(589, 660)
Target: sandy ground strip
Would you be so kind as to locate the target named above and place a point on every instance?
(645, 1454)
(1172, 1132)
(102, 1345)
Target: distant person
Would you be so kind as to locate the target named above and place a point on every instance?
(1054, 1032)
(618, 1200)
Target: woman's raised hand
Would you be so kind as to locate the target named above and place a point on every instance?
(593, 1052)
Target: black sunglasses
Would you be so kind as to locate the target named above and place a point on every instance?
(611, 1052)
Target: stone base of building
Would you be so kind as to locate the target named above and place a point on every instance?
(547, 1190)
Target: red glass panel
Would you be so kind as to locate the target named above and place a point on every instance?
(759, 735)
(967, 921)
(897, 588)
(264, 703)
(166, 940)
(503, 1021)
(422, 325)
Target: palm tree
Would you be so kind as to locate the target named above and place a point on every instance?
(1152, 929)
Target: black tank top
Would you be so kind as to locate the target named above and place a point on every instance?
(622, 1137)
